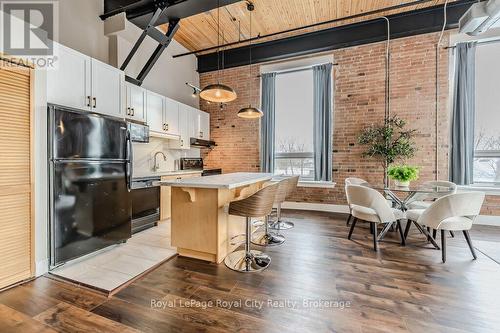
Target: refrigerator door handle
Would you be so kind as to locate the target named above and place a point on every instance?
(129, 161)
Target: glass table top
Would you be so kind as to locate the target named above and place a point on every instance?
(411, 188)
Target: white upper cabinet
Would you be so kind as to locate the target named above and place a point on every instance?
(154, 111)
(80, 82)
(199, 124)
(204, 125)
(184, 118)
(171, 116)
(107, 89)
(135, 106)
(68, 84)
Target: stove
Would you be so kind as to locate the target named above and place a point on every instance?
(197, 164)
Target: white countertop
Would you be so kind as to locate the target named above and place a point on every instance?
(166, 173)
(228, 180)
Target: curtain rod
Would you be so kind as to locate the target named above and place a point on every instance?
(295, 70)
(478, 43)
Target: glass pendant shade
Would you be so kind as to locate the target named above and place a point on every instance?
(218, 93)
(250, 113)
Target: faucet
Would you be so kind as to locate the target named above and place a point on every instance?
(157, 165)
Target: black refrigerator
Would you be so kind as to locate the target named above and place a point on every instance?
(89, 183)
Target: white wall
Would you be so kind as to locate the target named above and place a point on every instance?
(144, 157)
(81, 29)
(169, 75)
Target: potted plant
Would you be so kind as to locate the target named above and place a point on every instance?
(388, 142)
(403, 174)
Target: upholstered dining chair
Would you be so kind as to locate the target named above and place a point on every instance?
(424, 200)
(454, 212)
(370, 206)
(352, 181)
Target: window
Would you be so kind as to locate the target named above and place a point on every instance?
(294, 148)
(487, 131)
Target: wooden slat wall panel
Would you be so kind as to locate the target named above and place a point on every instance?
(16, 230)
(270, 16)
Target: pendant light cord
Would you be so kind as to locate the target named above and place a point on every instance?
(218, 36)
(436, 111)
(250, 65)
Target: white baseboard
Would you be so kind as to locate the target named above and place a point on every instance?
(41, 267)
(481, 219)
(488, 220)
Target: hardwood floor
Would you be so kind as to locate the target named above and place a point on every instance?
(318, 281)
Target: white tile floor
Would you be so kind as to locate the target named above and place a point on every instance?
(111, 268)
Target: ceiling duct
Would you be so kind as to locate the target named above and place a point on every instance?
(480, 17)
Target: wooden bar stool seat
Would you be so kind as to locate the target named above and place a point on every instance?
(257, 205)
(290, 184)
(268, 238)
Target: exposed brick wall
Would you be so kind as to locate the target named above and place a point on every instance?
(359, 83)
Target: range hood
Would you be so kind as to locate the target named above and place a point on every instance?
(195, 142)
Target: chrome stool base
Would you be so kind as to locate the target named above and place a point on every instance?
(282, 225)
(246, 262)
(268, 239)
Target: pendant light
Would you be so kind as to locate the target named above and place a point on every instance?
(250, 112)
(218, 93)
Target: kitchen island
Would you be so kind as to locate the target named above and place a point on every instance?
(201, 228)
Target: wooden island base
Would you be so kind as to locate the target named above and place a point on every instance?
(201, 226)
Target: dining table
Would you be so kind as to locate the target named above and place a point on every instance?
(403, 196)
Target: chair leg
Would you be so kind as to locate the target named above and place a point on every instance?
(348, 220)
(375, 243)
(434, 233)
(401, 235)
(443, 245)
(452, 234)
(428, 234)
(407, 228)
(353, 223)
(469, 242)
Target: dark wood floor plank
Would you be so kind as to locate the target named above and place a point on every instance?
(68, 318)
(398, 289)
(12, 321)
(27, 300)
(68, 293)
(146, 319)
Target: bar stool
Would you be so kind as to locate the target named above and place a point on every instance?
(256, 205)
(291, 185)
(268, 238)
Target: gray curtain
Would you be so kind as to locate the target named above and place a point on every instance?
(463, 115)
(268, 105)
(323, 115)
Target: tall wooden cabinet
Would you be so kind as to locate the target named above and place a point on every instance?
(16, 177)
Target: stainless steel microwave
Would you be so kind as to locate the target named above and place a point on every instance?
(138, 132)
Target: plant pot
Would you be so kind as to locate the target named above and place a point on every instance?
(399, 183)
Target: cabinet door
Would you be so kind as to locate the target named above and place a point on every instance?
(171, 116)
(194, 123)
(107, 84)
(135, 103)
(154, 112)
(204, 125)
(68, 84)
(184, 118)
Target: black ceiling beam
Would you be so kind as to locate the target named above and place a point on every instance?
(405, 24)
(140, 12)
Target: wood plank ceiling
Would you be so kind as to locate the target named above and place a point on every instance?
(271, 16)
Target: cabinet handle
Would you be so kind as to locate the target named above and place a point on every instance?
(95, 102)
(166, 127)
(133, 111)
(128, 111)
(182, 143)
(89, 100)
